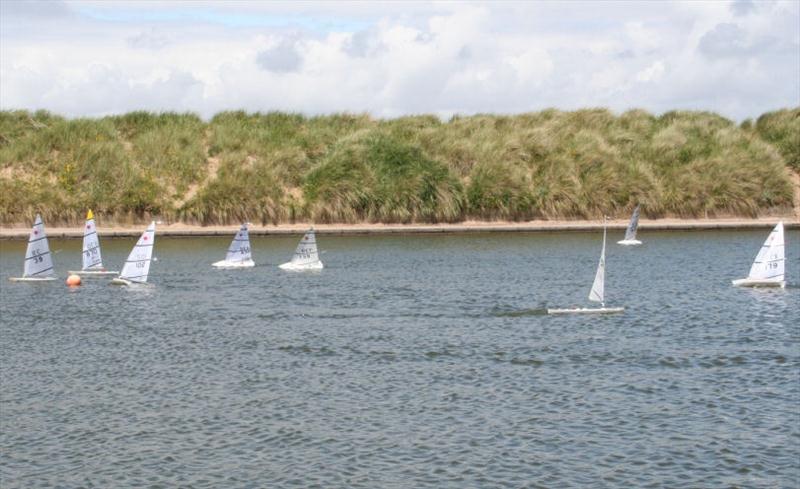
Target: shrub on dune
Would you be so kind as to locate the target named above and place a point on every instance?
(782, 129)
(374, 177)
(239, 193)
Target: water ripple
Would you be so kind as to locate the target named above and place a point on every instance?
(407, 362)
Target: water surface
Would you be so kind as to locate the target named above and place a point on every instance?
(409, 361)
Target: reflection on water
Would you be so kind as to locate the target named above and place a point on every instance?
(771, 296)
(409, 361)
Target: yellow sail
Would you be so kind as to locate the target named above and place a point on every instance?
(89, 215)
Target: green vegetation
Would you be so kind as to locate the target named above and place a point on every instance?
(782, 129)
(280, 167)
(374, 177)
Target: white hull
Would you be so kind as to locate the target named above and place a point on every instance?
(317, 265)
(129, 283)
(587, 310)
(31, 279)
(93, 273)
(629, 242)
(233, 264)
(754, 282)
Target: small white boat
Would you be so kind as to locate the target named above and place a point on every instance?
(238, 255)
(92, 261)
(768, 267)
(630, 233)
(38, 260)
(587, 310)
(137, 266)
(597, 293)
(305, 255)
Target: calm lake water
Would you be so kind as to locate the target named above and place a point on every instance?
(409, 361)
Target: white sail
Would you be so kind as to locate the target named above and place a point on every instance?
(137, 266)
(630, 233)
(38, 261)
(597, 293)
(306, 251)
(598, 287)
(769, 263)
(91, 245)
(239, 250)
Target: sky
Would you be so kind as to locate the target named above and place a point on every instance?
(739, 58)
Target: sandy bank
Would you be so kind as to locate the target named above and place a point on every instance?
(180, 229)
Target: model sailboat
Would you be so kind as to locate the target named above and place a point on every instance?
(137, 266)
(768, 267)
(238, 255)
(305, 256)
(92, 261)
(597, 294)
(630, 233)
(38, 260)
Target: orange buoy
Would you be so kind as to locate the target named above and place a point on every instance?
(73, 280)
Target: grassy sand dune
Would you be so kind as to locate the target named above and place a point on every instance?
(344, 168)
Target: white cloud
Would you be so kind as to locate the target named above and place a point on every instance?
(531, 66)
(739, 59)
(654, 72)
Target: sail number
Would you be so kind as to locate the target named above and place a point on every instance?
(773, 264)
(36, 256)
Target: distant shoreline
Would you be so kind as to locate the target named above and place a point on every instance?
(186, 230)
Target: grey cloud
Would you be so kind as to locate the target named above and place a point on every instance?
(358, 45)
(742, 7)
(363, 44)
(148, 40)
(731, 41)
(35, 9)
(625, 54)
(425, 37)
(283, 58)
(724, 40)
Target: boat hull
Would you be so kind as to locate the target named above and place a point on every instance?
(629, 242)
(31, 279)
(93, 273)
(301, 267)
(587, 310)
(752, 282)
(233, 264)
(121, 281)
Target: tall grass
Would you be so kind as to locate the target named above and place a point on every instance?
(782, 129)
(378, 178)
(277, 167)
(128, 167)
(240, 192)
